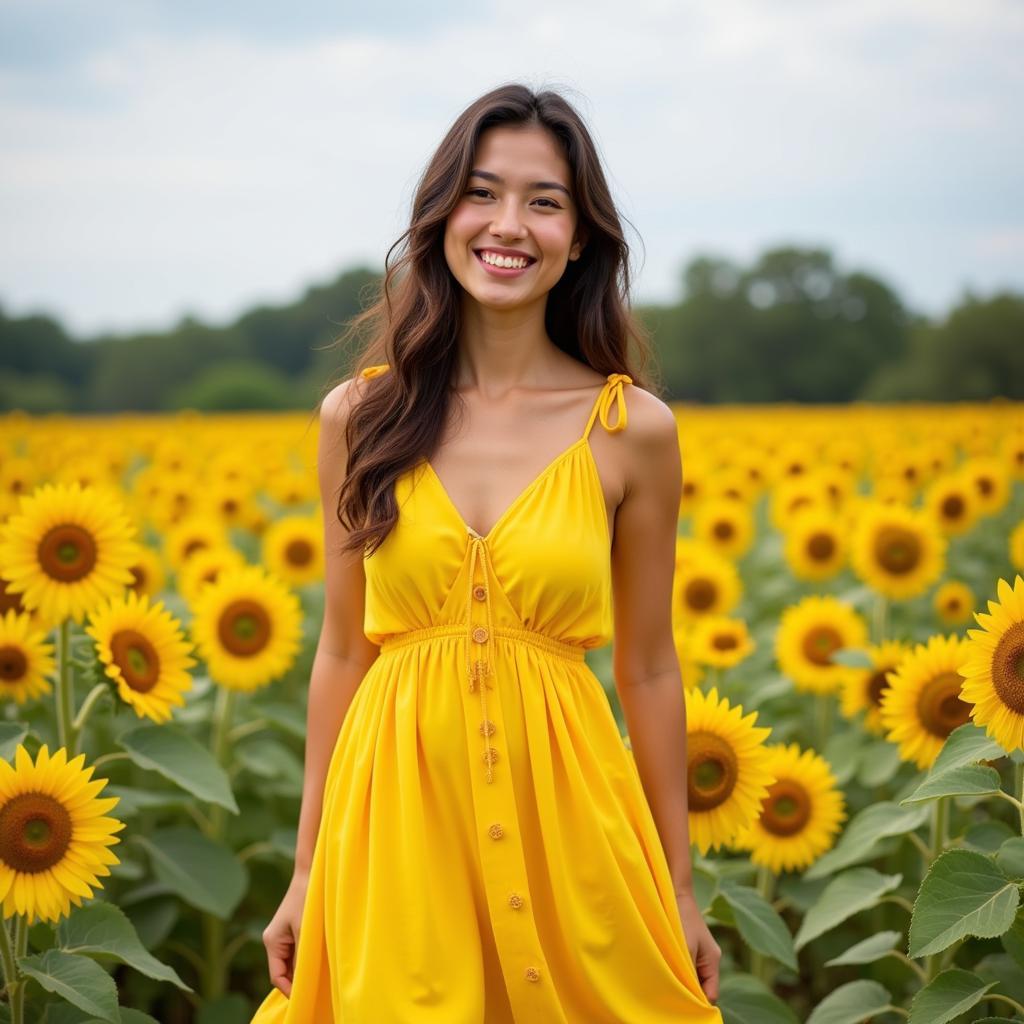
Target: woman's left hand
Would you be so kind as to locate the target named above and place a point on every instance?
(704, 951)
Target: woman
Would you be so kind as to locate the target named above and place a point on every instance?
(476, 842)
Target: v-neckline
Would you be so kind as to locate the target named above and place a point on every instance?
(517, 500)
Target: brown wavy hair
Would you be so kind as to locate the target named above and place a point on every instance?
(414, 324)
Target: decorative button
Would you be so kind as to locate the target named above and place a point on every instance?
(496, 831)
(515, 901)
(479, 592)
(490, 756)
(487, 727)
(532, 974)
(480, 634)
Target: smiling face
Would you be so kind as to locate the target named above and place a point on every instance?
(517, 200)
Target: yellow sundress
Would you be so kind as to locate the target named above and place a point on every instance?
(486, 853)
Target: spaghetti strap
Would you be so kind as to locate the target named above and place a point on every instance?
(374, 371)
(611, 392)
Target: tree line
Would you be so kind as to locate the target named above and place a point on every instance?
(790, 327)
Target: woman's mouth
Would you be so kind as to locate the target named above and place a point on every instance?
(498, 267)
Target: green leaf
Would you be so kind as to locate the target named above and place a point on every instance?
(945, 997)
(758, 922)
(967, 744)
(852, 657)
(1013, 940)
(64, 1013)
(743, 999)
(853, 1003)
(175, 755)
(1010, 857)
(289, 718)
(133, 801)
(203, 873)
(987, 836)
(879, 762)
(843, 752)
(963, 894)
(77, 979)
(847, 894)
(105, 928)
(11, 734)
(863, 834)
(867, 951)
(965, 780)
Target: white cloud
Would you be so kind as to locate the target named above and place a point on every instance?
(206, 171)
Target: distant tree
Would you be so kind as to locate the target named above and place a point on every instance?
(238, 384)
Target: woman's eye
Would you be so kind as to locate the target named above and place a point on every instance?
(484, 193)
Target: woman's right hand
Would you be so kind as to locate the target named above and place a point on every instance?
(281, 936)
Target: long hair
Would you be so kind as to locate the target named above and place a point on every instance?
(414, 323)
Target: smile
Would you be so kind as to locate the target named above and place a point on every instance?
(503, 266)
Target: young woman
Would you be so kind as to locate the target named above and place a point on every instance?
(476, 842)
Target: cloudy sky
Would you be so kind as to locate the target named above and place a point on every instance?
(164, 158)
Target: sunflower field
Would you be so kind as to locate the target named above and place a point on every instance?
(848, 610)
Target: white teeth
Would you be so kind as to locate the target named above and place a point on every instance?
(516, 262)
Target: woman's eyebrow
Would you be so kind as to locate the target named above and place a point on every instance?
(533, 184)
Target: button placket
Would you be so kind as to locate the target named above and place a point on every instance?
(480, 669)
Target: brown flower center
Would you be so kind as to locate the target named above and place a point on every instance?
(878, 684)
(711, 770)
(820, 546)
(35, 832)
(985, 485)
(194, 545)
(13, 664)
(138, 583)
(819, 644)
(953, 507)
(786, 809)
(1008, 668)
(723, 529)
(724, 642)
(939, 706)
(897, 550)
(700, 593)
(137, 658)
(9, 599)
(67, 553)
(244, 628)
(299, 552)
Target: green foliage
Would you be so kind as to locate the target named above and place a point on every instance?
(758, 923)
(947, 996)
(854, 1003)
(746, 1000)
(847, 894)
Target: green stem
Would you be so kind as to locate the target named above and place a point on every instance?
(880, 609)
(85, 710)
(1018, 778)
(115, 755)
(940, 820)
(912, 964)
(20, 949)
(759, 965)
(10, 965)
(65, 696)
(824, 705)
(215, 976)
(1006, 999)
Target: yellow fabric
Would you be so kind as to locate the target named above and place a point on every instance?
(486, 853)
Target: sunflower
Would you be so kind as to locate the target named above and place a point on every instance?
(720, 641)
(815, 545)
(993, 667)
(66, 550)
(897, 550)
(293, 548)
(801, 815)
(26, 659)
(248, 627)
(692, 673)
(189, 536)
(923, 704)
(1017, 546)
(707, 584)
(696, 475)
(953, 602)
(726, 525)
(1011, 451)
(292, 487)
(147, 571)
(228, 501)
(205, 567)
(727, 768)
(952, 502)
(992, 482)
(795, 495)
(144, 652)
(54, 836)
(863, 688)
(809, 633)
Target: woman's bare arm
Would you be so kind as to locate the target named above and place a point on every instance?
(343, 653)
(646, 668)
